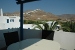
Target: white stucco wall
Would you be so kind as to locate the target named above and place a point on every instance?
(16, 19)
(3, 19)
(9, 25)
(66, 39)
(31, 26)
(26, 26)
(2, 26)
(28, 33)
(5, 25)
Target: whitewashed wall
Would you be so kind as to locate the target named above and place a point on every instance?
(3, 19)
(9, 25)
(16, 19)
(32, 33)
(2, 26)
(31, 26)
(66, 39)
(5, 25)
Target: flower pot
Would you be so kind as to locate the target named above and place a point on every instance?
(47, 34)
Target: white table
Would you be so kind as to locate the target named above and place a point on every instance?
(35, 44)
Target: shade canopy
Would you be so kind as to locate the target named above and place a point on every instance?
(24, 1)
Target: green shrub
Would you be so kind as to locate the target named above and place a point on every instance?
(68, 26)
(31, 22)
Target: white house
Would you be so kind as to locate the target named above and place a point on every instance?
(8, 22)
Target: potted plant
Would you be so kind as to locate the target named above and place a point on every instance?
(47, 30)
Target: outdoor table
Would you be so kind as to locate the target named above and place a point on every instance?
(35, 44)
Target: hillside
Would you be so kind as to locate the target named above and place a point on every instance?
(38, 14)
(67, 16)
(34, 15)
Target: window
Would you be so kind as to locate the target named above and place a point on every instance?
(7, 20)
(11, 20)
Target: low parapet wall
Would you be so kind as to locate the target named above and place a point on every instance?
(65, 39)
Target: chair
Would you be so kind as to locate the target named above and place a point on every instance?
(4, 48)
(10, 38)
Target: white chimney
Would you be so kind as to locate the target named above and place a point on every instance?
(1, 12)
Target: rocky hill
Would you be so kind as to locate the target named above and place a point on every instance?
(67, 16)
(42, 15)
(34, 15)
(39, 15)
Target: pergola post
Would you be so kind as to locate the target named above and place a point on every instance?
(21, 21)
(21, 15)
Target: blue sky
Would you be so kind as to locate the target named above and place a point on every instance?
(56, 7)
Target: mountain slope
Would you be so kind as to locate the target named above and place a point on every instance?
(67, 16)
(39, 15)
